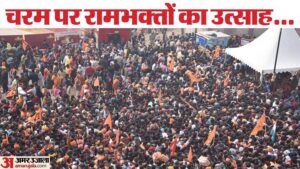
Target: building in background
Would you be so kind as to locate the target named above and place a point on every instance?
(36, 37)
(114, 35)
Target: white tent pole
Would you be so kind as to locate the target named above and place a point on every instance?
(278, 45)
(225, 59)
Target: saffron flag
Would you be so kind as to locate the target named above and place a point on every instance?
(11, 93)
(84, 46)
(192, 77)
(24, 43)
(259, 125)
(115, 86)
(211, 136)
(190, 156)
(36, 117)
(118, 136)
(273, 132)
(23, 114)
(172, 64)
(39, 114)
(173, 147)
(226, 81)
(108, 121)
(97, 82)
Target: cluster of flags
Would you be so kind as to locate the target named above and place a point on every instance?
(211, 136)
(174, 142)
(11, 93)
(259, 127)
(36, 117)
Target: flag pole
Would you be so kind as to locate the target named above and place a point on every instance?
(277, 51)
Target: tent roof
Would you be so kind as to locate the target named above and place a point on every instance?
(260, 54)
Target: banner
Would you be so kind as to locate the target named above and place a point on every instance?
(149, 14)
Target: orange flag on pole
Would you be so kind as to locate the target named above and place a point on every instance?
(190, 156)
(39, 114)
(259, 125)
(24, 43)
(118, 136)
(115, 86)
(11, 93)
(211, 136)
(173, 147)
(226, 81)
(192, 77)
(31, 119)
(108, 121)
(97, 82)
(36, 117)
(172, 64)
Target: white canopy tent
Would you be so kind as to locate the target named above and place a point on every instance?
(260, 54)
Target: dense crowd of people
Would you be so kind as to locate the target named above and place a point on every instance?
(145, 105)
